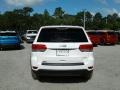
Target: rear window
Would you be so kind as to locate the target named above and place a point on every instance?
(62, 35)
(8, 34)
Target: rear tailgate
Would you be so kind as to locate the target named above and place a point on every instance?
(68, 52)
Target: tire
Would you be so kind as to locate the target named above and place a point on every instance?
(95, 45)
(113, 44)
(102, 42)
(34, 75)
(19, 47)
(88, 75)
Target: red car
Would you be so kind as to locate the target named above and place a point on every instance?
(118, 35)
(94, 37)
(107, 37)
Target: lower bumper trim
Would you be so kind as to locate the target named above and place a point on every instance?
(61, 72)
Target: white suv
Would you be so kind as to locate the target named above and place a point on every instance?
(30, 35)
(62, 51)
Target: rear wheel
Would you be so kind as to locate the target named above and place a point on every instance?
(102, 42)
(34, 75)
(88, 75)
(113, 44)
(19, 47)
(95, 45)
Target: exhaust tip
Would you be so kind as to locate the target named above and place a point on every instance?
(34, 67)
(91, 67)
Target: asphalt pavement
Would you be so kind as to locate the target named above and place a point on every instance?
(15, 72)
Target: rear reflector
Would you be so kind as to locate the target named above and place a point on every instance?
(39, 47)
(86, 48)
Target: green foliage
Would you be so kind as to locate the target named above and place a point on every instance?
(59, 12)
(23, 19)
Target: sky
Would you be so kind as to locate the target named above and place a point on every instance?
(105, 7)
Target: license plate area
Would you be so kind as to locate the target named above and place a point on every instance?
(62, 52)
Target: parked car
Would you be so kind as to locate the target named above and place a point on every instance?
(118, 35)
(107, 37)
(62, 51)
(22, 35)
(30, 35)
(94, 37)
(9, 39)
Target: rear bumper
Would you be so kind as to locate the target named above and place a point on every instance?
(30, 40)
(62, 72)
(111, 42)
(55, 63)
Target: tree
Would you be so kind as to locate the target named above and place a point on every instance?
(18, 11)
(89, 16)
(79, 18)
(68, 19)
(22, 19)
(46, 17)
(37, 21)
(46, 13)
(98, 17)
(59, 12)
(88, 20)
(27, 11)
(97, 21)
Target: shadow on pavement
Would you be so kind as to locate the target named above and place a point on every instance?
(13, 48)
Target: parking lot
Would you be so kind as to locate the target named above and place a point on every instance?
(15, 72)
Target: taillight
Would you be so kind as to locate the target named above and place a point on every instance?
(86, 48)
(39, 47)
